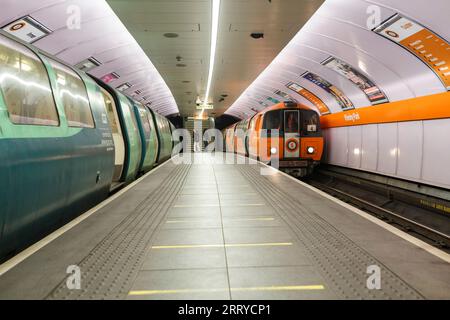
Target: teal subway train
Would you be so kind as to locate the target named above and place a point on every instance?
(66, 141)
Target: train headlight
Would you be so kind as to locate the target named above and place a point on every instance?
(310, 150)
(273, 150)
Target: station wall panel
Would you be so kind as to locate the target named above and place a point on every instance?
(387, 148)
(410, 148)
(414, 150)
(338, 144)
(369, 147)
(436, 156)
(354, 146)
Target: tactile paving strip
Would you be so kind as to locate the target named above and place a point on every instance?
(339, 260)
(107, 272)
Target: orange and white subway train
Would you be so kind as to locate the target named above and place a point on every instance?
(286, 134)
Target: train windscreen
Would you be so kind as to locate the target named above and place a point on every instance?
(310, 123)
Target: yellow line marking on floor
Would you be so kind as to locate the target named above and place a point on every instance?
(228, 245)
(239, 194)
(251, 219)
(230, 219)
(281, 288)
(242, 204)
(212, 290)
(195, 205)
(217, 205)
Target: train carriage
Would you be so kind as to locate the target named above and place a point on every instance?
(164, 137)
(66, 141)
(57, 151)
(121, 114)
(149, 138)
(288, 132)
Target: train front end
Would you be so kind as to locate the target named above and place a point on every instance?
(299, 147)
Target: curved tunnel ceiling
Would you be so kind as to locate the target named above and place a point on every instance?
(340, 30)
(100, 35)
(239, 57)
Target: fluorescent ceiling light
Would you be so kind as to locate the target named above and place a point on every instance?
(212, 58)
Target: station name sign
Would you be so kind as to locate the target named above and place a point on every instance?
(208, 106)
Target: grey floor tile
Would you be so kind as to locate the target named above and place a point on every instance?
(196, 200)
(278, 283)
(193, 190)
(183, 284)
(192, 223)
(172, 237)
(258, 235)
(245, 211)
(252, 221)
(235, 189)
(270, 256)
(186, 258)
(193, 212)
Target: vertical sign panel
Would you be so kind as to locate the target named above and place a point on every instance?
(433, 50)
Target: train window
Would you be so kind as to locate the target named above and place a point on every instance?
(310, 123)
(110, 107)
(291, 121)
(73, 95)
(252, 122)
(150, 120)
(133, 117)
(272, 120)
(25, 86)
(145, 122)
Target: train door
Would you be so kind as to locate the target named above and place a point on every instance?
(253, 136)
(119, 144)
(292, 133)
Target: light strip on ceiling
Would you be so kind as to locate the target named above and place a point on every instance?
(212, 58)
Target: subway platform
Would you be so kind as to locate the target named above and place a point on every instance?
(211, 230)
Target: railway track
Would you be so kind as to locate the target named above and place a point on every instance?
(424, 231)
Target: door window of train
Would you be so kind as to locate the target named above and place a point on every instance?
(25, 86)
(150, 120)
(291, 121)
(110, 107)
(127, 104)
(310, 123)
(73, 95)
(253, 122)
(145, 123)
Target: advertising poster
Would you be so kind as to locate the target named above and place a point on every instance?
(311, 97)
(107, 78)
(431, 49)
(27, 29)
(373, 93)
(341, 99)
(285, 96)
(273, 100)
